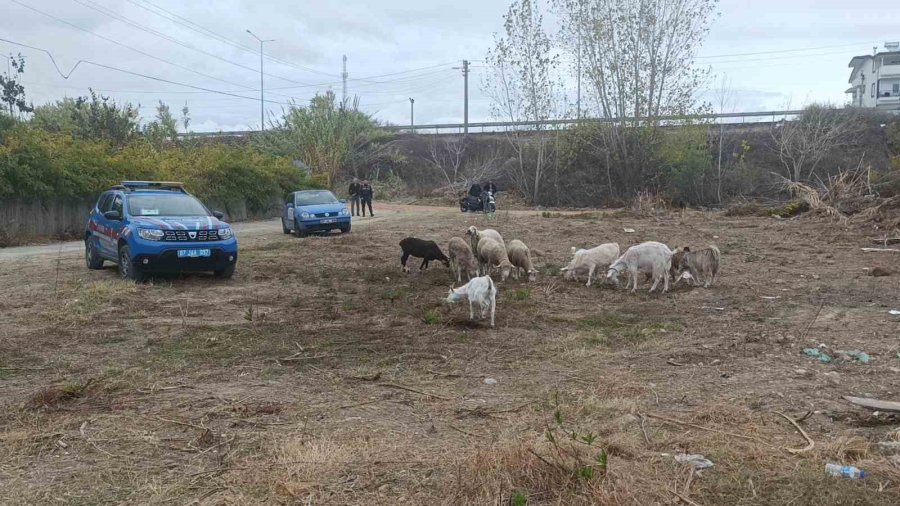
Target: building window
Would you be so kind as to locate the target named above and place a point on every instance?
(873, 90)
(896, 89)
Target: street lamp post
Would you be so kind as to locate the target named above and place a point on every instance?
(412, 123)
(262, 96)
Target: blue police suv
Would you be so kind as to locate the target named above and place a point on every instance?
(155, 227)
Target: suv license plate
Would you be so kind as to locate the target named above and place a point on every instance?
(327, 221)
(193, 253)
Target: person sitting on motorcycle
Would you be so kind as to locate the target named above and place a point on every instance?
(475, 190)
(490, 187)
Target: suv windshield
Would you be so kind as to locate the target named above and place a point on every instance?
(313, 198)
(165, 205)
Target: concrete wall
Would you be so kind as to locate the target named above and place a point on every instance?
(22, 221)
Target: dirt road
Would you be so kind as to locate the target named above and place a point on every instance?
(247, 230)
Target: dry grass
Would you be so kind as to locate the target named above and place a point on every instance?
(281, 385)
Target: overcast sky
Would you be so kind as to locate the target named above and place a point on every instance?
(396, 49)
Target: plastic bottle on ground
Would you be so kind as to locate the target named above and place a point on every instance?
(846, 471)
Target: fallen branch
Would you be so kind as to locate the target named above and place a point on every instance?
(816, 317)
(709, 429)
(672, 361)
(644, 429)
(810, 444)
(185, 424)
(683, 498)
(409, 389)
(881, 250)
(874, 404)
(886, 241)
(457, 429)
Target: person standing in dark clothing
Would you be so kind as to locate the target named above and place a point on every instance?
(354, 197)
(366, 192)
(490, 187)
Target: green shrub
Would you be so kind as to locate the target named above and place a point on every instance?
(36, 164)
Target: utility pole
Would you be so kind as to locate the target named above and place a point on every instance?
(344, 76)
(465, 69)
(578, 58)
(262, 96)
(412, 123)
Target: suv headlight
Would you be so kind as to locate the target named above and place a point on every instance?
(304, 215)
(151, 234)
(344, 212)
(225, 233)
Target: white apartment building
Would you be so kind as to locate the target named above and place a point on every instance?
(875, 79)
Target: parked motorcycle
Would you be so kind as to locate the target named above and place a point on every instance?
(485, 203)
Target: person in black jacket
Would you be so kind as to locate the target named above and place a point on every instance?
(354, 197)
(475, 190)
(490, 187)
(366, 192)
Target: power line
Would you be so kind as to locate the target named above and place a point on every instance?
(209, 33)
(94, 6)
(780, 51)
(138, 74)
(126, 46)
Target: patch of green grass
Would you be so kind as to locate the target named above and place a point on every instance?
(217, 344)
(611, 329)
(519, 294)
(432, 317)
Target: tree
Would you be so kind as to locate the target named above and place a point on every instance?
(803, 143)
(524, 86)
(93, 117)
(327, 135)
(12, 93)
(637, 57)
(164, 128)
(725, 100)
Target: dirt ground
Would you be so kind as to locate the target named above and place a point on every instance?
(321, 374)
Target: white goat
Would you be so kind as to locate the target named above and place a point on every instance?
(490, 254)
(520, 257)
(652, 257)
(601, 256)
(481, 291)
(476, 235)
(462, 260)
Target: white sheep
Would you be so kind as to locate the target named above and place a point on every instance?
(480, 291)
(601, 256)
(520, 257)
(652, 257)
(462, 260)
(490, 254)
(476, 235)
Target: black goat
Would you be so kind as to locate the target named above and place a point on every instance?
(420, 248)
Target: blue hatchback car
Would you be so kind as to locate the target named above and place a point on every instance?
(314, 211)
(146, 227)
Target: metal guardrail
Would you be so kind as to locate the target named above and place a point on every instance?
(500, 126)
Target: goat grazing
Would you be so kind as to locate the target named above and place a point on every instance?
(703, 265)
(601, 256)
(520, 257)
(476, 235)
(649, 257)
(420, 248)
(493, 254)
(481, 291)
(462, 260)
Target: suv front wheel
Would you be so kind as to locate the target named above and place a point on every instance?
(127, 269)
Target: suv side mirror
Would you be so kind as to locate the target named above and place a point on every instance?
(112, 215)
(218, 214)
(343, 201)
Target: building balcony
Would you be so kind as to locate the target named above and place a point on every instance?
(889, 71)
(888, 102)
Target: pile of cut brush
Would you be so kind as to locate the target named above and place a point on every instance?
(859, 196)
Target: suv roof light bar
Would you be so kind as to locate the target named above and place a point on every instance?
(153, 185)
